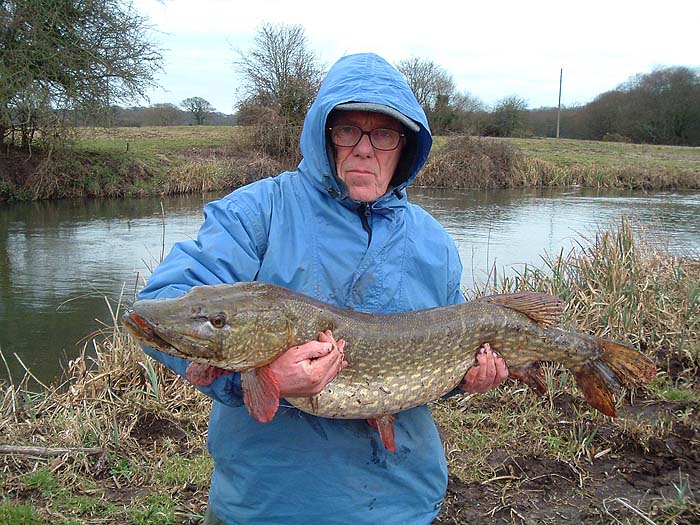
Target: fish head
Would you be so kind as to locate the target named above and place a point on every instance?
(230, 326)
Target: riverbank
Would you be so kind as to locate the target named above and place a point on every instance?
(185, 159)
(123, 441)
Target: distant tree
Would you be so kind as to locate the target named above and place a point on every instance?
(469, 112)
(280, 72)
(163, 115)
(542, 122)
(281, 77)
(606, 113)
(667, 105)
(429, 81)
(661, 107)
(508, 116)
(198, 107)
(62, 58)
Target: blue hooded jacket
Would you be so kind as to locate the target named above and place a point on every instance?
(302, 231)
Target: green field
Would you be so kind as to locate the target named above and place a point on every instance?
(153, 141)
(568, 152)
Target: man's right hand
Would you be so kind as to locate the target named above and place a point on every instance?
(303, 371)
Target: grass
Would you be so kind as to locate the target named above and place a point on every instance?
(482, 163)
(183, 159)
(512, 456)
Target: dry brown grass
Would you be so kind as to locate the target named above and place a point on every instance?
(484, 163)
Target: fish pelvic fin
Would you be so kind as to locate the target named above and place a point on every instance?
(385, 425)
(261, 393)
(532, 375)
(618, 365)
(200, 374)
(544, 309)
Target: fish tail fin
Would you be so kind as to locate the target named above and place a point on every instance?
(618, 365)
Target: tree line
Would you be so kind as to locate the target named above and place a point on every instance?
(78, 61)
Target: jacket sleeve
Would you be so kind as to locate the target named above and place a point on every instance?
(229, 248)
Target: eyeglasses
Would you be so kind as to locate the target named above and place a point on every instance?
(348, 136)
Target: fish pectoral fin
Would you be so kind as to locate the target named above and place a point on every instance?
(385, 425)
(542, 308)
(200, 374)
(531, 374)
(261, 393)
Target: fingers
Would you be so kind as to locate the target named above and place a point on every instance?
(312, 350)
(489, 372)
(501, 369)
(306, 369)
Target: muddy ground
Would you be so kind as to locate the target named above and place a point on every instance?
(630, 484)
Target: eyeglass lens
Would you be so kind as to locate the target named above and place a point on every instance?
(380, 138)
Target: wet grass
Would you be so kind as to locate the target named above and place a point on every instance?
(513, 457)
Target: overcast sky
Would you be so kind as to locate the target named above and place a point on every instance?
(492, 49)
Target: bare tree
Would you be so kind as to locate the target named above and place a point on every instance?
(58, 58)
(198, 107)
(428, 80)
(280, 72)
(434, 89)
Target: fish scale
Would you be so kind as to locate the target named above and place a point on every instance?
(395, 361)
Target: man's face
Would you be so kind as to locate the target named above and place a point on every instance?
(365, 170)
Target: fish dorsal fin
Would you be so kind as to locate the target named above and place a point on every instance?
(544, 309)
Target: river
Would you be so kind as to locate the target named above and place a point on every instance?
(66, 265)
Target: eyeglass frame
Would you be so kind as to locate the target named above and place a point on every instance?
(362, 134)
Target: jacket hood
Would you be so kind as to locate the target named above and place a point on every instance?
(366, 78)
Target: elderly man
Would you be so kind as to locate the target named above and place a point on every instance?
(340, 229)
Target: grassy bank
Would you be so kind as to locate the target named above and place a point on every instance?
(166, 160)
(513, 457)
(485, 163)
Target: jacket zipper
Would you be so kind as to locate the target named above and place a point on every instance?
(365, 212)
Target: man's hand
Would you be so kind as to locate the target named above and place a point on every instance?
(303, 371)
(489, 372)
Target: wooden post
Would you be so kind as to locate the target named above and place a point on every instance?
(561, 73)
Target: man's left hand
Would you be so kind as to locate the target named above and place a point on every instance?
(489, 372)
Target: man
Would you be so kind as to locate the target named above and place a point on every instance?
(339, 229)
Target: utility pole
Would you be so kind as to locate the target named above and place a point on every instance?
(561, 73)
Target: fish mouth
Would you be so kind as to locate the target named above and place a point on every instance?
(145, 331)
(166, 340)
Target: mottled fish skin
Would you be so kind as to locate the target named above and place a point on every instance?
(395, 361)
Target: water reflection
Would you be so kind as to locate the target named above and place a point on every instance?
(508, 229)
(60, 260)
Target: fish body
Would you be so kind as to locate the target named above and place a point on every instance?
(395, 361)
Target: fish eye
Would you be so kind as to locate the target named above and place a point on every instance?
(218, 320)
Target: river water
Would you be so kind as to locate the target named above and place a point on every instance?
(65, 265)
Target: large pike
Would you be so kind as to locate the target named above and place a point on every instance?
(395, 361)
